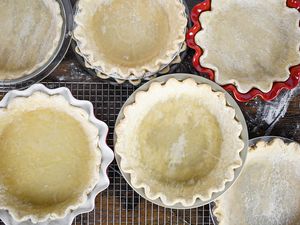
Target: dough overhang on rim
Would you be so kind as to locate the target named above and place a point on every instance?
(179, 141)
(49, 157)
(267, 191)
(29, 36)
(250, 43)
(129, 37)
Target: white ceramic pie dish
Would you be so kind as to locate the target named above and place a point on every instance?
(252, 143)
(106, 158)
(239, 117)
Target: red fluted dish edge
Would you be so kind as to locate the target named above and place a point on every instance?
(289, 84)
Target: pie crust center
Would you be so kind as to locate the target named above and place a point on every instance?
(42, 167)
(190, 146)
(130, 32)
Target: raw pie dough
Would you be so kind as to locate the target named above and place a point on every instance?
(268, 191)
(49, 157)
(29, 35)
(250, 43)
(129, 37)
(179, 141)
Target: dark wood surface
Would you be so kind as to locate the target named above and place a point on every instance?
(279, 117)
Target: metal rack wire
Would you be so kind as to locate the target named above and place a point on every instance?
(119, 204)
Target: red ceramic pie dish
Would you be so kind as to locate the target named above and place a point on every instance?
(289, 84)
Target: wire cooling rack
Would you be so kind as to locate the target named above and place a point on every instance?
(119, 204)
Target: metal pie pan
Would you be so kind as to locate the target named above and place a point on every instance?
(239, 117)
(132, 78)
(252, 143)
(56, 58)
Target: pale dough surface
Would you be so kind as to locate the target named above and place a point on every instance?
(250, 43)
(29, 35)
(187, 140)
(179, 141)
(129, 36)
(268, 190)
(49, 156)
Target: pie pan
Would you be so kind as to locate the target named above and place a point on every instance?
(134, 79)
(106, 154)
(56, 58)
(277, 87)
(170, 68)
(252, 142)
(239, 117)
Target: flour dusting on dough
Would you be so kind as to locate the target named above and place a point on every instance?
(177, 152)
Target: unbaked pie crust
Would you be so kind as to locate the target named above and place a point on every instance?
(268, 190)
(29, 35)
(129, 37)
(49, 157)
(250, 43)
(179, 141)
